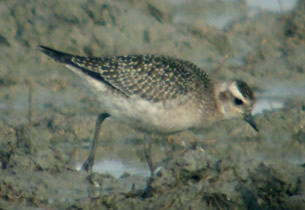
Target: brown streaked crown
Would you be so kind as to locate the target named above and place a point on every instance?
(245, 90)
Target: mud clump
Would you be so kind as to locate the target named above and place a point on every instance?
(197, 180)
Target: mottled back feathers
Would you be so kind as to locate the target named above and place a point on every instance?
(151, 77)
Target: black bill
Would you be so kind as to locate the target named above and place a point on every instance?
(249, 119)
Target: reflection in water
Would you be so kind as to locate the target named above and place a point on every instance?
(117, 168)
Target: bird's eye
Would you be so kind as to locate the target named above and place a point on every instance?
(238, 102)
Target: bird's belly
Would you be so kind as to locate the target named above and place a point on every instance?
(149, 116)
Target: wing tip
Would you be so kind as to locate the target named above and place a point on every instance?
(56, 55)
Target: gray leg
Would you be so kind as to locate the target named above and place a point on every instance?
(88, 164)
(148, 157)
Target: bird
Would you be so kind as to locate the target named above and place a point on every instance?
(157, 93)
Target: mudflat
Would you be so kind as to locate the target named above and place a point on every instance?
(47, 113)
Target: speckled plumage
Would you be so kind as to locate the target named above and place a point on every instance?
(159, 93)
(154, 78)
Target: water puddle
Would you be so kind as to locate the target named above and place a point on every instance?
(267, 104)
(272, 5)
(226, 12)
(275, 97)
(117, 168)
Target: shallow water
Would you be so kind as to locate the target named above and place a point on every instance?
(272, 5)
(117, 168)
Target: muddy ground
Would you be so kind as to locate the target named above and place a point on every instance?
(47, 114)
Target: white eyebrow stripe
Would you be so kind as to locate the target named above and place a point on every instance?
(236, 92)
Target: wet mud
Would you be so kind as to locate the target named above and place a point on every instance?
(47, 114)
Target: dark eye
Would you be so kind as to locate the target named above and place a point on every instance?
(238, 102)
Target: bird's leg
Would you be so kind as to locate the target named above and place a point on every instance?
(88, 164)
(148, 157)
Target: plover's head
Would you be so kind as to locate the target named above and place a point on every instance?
(236, 99)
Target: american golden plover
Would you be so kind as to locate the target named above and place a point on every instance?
(157, 94)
